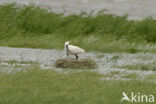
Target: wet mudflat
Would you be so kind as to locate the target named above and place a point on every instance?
(115, 65)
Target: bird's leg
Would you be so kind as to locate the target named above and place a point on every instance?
(76, 56)
(67, 50)
(67, 53)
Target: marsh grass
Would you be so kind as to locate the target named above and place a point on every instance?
(35, 27)
(147, 67)
(133, 76)
(113, 74)
(19, 62)
(36, 86)
(75, 64)
(151, 77)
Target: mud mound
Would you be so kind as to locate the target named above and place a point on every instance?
(76, 64)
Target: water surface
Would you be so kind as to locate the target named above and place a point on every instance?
(107, 62)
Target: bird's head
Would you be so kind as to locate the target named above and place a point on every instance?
(66, 43)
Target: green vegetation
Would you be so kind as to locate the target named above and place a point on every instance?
(35, 86)
(112, 74)
(31, 26)
(151, 77)
(19, 62)
(147, 67)
(133, 76)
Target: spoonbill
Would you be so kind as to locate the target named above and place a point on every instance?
(73, 50)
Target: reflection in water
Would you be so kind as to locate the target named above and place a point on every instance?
(135, 8)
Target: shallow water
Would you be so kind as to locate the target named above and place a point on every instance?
(137, 9)
(47, 58)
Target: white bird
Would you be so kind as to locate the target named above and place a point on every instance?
(73, 50)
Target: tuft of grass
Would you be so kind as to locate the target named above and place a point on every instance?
(100, 56)
(113, 73)
(35, 27)
(76, 64)
(151, 77)
(35, 86)
(133, 76)
(115, 58)
(19, 62)
(150, 66)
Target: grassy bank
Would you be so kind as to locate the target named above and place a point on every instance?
(36, 86)
(31, 26)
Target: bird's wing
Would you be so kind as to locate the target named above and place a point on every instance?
(75, 49)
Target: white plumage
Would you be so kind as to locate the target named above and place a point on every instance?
(73, 50)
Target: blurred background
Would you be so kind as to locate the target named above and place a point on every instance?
(135, 8)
